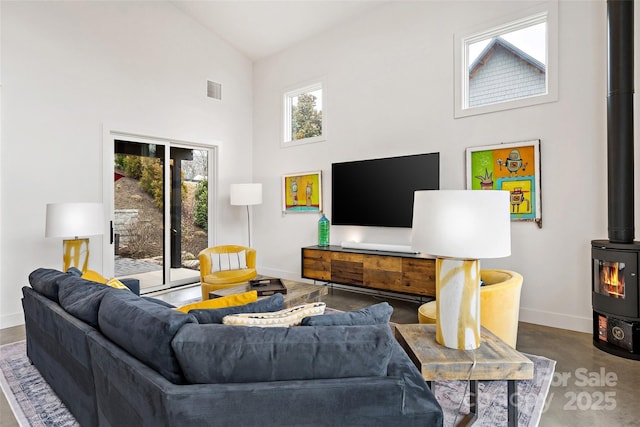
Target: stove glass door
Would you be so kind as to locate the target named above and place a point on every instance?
(610, 278)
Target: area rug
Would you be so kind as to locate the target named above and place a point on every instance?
(492, 397)
(35, 404)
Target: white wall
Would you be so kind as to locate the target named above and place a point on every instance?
(68, 68)
(390, 92)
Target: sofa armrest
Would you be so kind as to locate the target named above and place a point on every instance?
(132, 284)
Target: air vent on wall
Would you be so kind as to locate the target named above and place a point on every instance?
(214, 90)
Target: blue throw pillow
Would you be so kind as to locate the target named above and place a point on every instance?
(236, 354)
(214, 315)
(377, 314)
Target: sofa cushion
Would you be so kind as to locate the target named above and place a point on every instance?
(227, 301)
(81, 298)
(282, 318)
(144, 329)
(45, 282)
(235, 354)
(215, 315)
(377, 314)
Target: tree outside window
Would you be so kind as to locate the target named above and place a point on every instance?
(304, 120)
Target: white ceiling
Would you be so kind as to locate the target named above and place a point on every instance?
(263, 27)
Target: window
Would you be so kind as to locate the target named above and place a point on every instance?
(304, 121)
(508, 66)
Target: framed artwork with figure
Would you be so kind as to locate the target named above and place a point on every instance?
(510, 166)
(302, 192)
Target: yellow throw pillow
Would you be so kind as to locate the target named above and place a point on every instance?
(97, 277)
(228, 301)
(94, 277)
(115, 283)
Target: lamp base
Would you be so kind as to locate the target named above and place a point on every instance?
(75, 252)
(458, 303)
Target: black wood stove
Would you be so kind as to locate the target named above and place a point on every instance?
(615, 262)
(616, 299)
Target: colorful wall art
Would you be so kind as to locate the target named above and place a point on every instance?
(512, 166)
(302, 192)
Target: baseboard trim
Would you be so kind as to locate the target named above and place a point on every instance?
(282, 274)
(11, 320)
(556, 320)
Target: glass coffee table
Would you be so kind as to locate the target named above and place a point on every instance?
(297, 292)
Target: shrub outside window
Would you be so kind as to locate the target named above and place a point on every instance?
(304, 119)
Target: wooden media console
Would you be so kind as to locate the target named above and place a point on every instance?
(412, 274)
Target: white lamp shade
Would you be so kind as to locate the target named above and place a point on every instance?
(246, 194)
(462, 224)
(69, 220)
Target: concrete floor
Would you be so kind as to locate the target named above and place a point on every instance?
(590, 387)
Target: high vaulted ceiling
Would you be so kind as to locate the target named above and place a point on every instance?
(261, 28)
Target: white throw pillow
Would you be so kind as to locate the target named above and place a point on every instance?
(283, 318)
(228, 261)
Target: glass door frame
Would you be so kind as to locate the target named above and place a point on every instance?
(109, 137)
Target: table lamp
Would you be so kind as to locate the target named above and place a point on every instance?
(246, 194)
(459, 227)
(70, 220)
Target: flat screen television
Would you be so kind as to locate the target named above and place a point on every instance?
(379, 192)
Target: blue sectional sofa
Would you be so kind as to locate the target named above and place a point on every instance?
(116, 359)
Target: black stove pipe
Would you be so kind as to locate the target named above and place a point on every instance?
(620, 121)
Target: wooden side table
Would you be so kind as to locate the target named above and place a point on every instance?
(495, 360)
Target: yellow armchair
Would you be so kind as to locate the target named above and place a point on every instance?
(225, 266)
(499, 304)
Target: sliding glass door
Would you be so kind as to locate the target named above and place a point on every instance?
(160, 212)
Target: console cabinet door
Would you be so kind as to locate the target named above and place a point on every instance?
(316, 264)
(419, 276)
(347, 268)
(383, 272)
